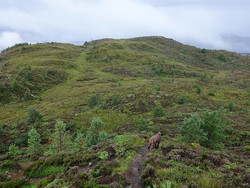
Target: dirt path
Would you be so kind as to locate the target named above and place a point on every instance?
(133, 175)
(20, 172)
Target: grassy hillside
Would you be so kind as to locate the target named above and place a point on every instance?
(124, 82)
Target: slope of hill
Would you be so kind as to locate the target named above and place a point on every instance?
(123, 82)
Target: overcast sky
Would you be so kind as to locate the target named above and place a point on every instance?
(219, 24)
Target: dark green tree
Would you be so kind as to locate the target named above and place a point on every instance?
(33, 115)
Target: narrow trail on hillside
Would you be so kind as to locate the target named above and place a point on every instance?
(133, 175)
(20, 172)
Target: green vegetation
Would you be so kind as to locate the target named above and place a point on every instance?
(60, 140)
(209, 130)
(95, 133)
(35, 147)
(33, 115)
(192, 131)
(92, 101)
(50, 170)
(14, 150)
(159, 111)
(66, 87)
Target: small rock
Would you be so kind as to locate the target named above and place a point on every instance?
(74, 167)
(90, 163)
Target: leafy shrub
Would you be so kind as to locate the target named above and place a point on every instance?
(14, 150)
(33, 115)
(92, 101)
(35, 147)
(22, 140)
(159, 111)
(209, 130)
(95, 133)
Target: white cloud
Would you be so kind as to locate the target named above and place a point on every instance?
(8, 39)
(191, 21)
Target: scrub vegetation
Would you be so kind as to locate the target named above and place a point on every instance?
(81, 116)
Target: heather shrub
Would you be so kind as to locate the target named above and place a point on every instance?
(159, 111)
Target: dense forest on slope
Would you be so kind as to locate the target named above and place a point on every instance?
(95, 106)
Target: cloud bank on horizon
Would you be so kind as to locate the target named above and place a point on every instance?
(215, 24)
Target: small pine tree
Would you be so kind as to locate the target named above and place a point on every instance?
(198, 90)
(79, 142)
(115, 101)
(214, 126)
(60, 140)
(95, 133)
(191, 130)
(33, 115)
(13, 150)
(14, 85)
(92, 101)
(35, 147)
(209, 131)
(60, 129)
(26, 96)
